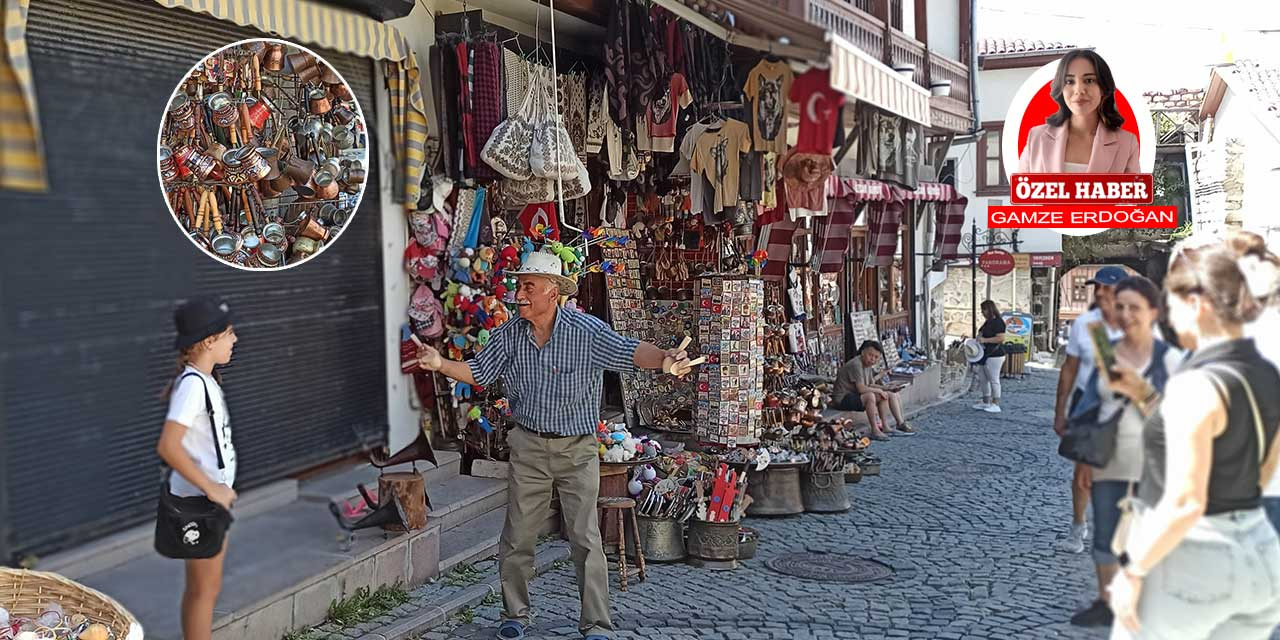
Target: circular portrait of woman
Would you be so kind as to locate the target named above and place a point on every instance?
(262, 154)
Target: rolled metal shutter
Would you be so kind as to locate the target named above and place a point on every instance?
(92, 271)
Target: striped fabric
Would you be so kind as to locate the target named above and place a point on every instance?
(832, 236)
(884, 222)
(951, 227)
(313, 23)
(555, 389)
(21, 152)
(775, 238)
(858, 74)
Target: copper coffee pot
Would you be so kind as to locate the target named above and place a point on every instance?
(319, 102)
(274, 58)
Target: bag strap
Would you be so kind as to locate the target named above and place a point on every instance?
(1253, 405)
(208, 407)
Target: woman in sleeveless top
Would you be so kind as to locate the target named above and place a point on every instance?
(1201, 559)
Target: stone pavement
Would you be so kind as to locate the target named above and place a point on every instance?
(966, 514)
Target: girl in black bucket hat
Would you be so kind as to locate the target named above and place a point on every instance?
(196, 499)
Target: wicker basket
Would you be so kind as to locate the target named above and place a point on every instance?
(25, 593)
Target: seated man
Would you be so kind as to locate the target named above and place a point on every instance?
(857, 390)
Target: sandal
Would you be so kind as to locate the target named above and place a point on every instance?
(510, 630)
(907, 430)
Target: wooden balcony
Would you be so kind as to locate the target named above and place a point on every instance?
(853, 21)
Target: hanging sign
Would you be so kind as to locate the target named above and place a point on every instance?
(996, 262)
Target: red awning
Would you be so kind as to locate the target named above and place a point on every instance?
(950, 219)
(861, 189)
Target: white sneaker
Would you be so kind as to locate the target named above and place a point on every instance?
(981, 406)
(1074, 542)
(992, 408)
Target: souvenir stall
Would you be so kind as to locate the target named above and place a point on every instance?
(262, 154)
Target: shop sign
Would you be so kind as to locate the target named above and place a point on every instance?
(996, 262)
(1041, 260)
(1017, 328)
(1021, 261)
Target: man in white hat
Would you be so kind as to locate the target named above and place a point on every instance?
(552, 360)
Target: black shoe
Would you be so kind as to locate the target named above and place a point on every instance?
(1097, 615)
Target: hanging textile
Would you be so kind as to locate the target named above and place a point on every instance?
(21, 150)
(884, 223)
(485, 93)
(950, 219)
(616, 62)
(891, 147)
(313, 23)
(833, 234)
(776, 241)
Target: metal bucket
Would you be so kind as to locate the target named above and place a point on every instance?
(775, 492)
(748, 539)
(661, 538)
(713, 540)
(824, 492)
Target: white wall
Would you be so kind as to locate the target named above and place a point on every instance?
(1237, 118)
(944, 27)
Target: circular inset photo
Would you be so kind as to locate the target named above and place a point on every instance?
(262, 153)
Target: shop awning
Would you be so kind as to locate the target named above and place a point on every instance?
(857, 74)
(757, 27)
(21, 151)
(861, 189)
(311, 23)
(883, 224)
(951, 227)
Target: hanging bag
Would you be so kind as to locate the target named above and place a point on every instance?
(552, 154)
(192, 527)
(509, 148)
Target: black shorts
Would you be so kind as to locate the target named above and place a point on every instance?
(851, 402)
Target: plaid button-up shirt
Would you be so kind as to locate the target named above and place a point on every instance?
(556, 388)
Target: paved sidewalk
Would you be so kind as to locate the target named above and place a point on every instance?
(966, 514)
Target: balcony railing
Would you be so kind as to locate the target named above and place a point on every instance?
(853, 21)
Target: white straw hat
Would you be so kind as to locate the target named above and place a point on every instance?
(548, 265)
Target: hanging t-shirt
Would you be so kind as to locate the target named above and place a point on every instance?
(819, 110)
(718, 157)
(187, 407)
(663, 116)
(768, 85)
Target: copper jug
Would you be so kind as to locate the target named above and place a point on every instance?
(319, 101)
(340, 91)
(311, 228)
(274, 61)
(329, 76)
(300, 170)
(343, 115)
(325, 185)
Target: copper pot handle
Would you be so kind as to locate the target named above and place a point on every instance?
(248, 211)
(190, 204)
(257, 75)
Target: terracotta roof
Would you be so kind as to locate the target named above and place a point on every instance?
(1175, 98)
(1260, 80)
(1006, 46)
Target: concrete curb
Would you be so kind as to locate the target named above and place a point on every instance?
(435, 615)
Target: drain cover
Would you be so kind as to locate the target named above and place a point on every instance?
(829, 567)
(975, 469)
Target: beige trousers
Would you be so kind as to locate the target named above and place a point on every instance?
(572, 466)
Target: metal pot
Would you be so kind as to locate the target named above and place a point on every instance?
(237, 171)
(775, 491)
(304, 248)
(273, 233)
(327, 212)
(329, 76)
(182, 113)
(309, 75)
(310, 228)
(304, 192)
(205, 167)
(661, 538)
(325, 185)
(215, 149)
(341, 91)
(300, 170)
(224, 244)
(256, 166)
(332, 165)
(343, 138)
(343, 115)
(717, 541)
(269, 255)
(168, 166)
(267, 191)
(250, 240)
(272, 158)
(319, 102)
(326, 133)
(281, 182)
(823, 492)
(274, 59)
(296, 63)
(224, 109)
(259, 113)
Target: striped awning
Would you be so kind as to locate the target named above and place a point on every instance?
(833, 234)
(21, 151)
(861, 190)
(309, 22)
(884, 223)
(857, 74)
(950, 219)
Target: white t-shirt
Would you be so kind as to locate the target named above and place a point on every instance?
(1080, 345)
(187, 407)
(1126, 464)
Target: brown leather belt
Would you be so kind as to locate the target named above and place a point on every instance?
(548, 435)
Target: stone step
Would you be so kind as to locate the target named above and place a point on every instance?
(125, 546)
(340, 486)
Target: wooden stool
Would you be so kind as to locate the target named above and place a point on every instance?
(603, 506)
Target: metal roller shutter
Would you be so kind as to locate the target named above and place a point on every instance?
(91, 273)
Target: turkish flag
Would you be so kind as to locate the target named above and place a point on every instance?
(540, 213)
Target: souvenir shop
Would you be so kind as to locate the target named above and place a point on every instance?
(690, 186)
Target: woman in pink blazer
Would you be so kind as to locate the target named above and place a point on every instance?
(1084, 136)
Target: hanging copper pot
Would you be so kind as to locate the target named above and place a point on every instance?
(267, 190)
(205, 167)
(168, 167)
(274, 58)
(256, 166)
(295, 63)
(300, 170)
(281, 182)
(343, 138)
(329, 76)
(257, 48)
(341, 92)
(304, 191)
(304, 248)
(224, 244)
(182, 113)
(273, 232)
(327, 212)
(353, 176)
(216, 149)
(259, 113)
(325, 185)
(269, 255)
(309, 75)
(332, 166)
(311, 228)
(224, 109)
(237, 171)
(343, 115)
(273, 162)
(319, 101)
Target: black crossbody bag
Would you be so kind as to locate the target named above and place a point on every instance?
(192, 527)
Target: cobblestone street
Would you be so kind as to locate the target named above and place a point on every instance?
(966, 514)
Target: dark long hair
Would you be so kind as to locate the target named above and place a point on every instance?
(989, 309)
(1107, 110)
(1145, 288)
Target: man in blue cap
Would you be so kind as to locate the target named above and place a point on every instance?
(1075, 372)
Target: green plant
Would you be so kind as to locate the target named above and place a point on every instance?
(304, 634)
(491, 600)
(365, 605)
(463, 575)
(467, 615)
